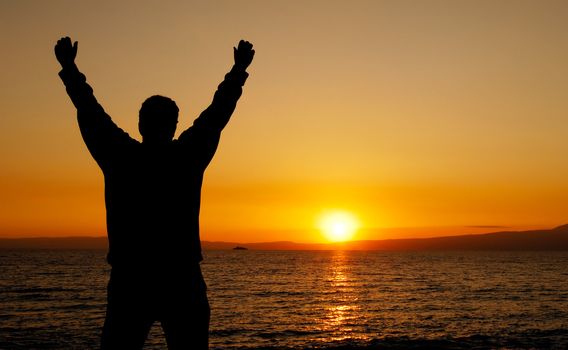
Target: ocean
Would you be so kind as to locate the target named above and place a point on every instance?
(55, 299)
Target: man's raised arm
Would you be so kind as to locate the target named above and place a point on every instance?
(206, 129)
(98, 130)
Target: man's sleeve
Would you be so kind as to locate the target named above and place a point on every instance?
(99, 132)
(203, 136)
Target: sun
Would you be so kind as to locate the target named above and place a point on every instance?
(338, 225)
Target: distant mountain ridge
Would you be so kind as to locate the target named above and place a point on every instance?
(553, 239)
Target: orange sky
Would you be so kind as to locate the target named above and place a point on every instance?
(420, 117)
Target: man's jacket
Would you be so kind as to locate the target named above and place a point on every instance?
(152, 194)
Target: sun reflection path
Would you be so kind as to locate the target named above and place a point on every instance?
(341, 311)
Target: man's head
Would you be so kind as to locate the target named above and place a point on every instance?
(158, 119)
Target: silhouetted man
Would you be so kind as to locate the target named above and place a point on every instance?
(152, 195)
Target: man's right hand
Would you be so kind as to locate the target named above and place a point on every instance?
(243, 54)
(65, 52)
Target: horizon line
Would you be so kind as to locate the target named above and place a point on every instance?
(104, 236)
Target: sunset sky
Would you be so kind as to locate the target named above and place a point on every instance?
(419, 118)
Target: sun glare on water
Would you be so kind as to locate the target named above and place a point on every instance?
(338, 226)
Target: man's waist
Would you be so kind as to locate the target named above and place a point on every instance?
(146, 260)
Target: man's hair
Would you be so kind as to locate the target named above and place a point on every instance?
(159, 107)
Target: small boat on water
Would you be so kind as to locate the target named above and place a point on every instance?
(240, 248)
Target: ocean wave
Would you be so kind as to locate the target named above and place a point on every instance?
(537, 339)
(34, 290)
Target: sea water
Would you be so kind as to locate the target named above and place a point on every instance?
(55, 299)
